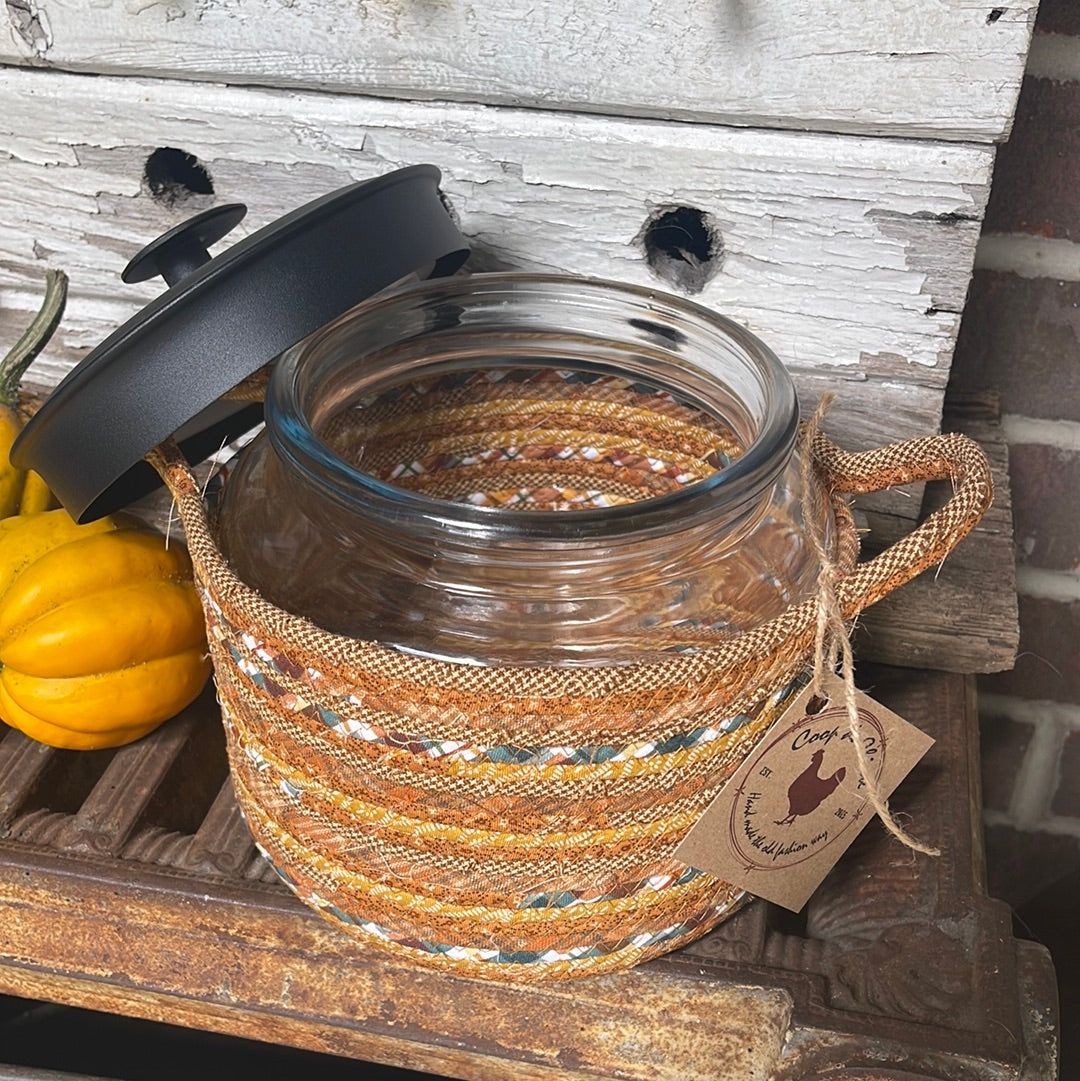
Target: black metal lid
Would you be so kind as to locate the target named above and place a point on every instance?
(164, 372)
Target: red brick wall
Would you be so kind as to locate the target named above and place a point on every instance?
(1021, 337)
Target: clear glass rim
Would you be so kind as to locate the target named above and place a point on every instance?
(728, 494)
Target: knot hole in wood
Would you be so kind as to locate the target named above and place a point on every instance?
(178, 180)
(682, 246)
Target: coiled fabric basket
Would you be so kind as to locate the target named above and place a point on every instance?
(519, 823)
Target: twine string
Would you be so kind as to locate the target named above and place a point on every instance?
(832, 643)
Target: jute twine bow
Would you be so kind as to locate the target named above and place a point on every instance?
(832, 645)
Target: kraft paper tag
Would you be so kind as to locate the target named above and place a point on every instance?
(798, 801)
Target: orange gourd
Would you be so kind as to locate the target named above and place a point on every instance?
(101, 631)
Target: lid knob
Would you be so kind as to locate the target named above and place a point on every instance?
(183, 249)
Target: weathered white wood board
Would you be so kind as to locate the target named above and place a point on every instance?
(847, 255)
(850, 256)
(946, 69)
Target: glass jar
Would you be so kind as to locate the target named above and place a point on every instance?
(525, 469)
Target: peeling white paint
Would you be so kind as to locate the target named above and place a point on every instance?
(29, 27)
(836, 247)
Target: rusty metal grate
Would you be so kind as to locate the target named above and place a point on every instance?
(165, 800)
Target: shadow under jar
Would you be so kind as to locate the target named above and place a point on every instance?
(526, 469)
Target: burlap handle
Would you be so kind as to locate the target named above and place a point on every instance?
(953, 457)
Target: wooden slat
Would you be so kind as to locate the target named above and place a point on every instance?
(927, 68)
(849, 256)
(22, 765)
(115, 806)
(222, 844)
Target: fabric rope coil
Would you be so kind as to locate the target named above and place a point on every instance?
(519, 822)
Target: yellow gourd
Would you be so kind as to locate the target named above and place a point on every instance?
(101, 632)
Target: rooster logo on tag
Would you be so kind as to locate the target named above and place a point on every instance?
(801, 790)
(810, 790)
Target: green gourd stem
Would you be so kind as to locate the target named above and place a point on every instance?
(34, 338)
